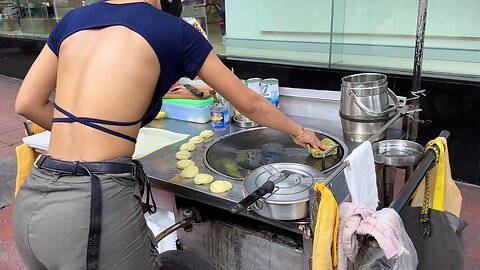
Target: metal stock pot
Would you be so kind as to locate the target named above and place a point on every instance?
(291, 192)
(365, 105)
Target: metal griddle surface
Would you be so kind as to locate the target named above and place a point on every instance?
(236, 155)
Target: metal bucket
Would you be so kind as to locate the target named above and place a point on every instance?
(365, 105)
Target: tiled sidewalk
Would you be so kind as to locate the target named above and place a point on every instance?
(11, 127)
(11, 133)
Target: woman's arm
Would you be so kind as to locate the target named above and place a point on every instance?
(32, 99)
(251, 104)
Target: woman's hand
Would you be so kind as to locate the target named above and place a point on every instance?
(308, 137)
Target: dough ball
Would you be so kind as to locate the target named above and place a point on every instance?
(220, 186)
(188, 147)
(196, 139)
(160, 115)
(182, 164)
(202, 179)
(182, 155)
(206, 133)
(189, 172)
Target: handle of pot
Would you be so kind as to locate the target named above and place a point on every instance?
(267, 187)
(373, 113)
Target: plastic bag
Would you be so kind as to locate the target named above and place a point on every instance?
(371, 256)
(446, 195)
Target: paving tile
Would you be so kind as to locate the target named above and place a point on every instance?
(12, 137)
(9, 259)
(6, 230)
(11, 183)
(470, 194)
(7, 151)
(6, 196)
(471, 264)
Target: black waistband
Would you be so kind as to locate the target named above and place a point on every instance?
(85, 168)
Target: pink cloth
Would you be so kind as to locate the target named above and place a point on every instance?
(384, 225)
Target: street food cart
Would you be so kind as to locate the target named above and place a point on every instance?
(249, 240)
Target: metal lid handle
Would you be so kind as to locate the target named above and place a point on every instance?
(371, 112)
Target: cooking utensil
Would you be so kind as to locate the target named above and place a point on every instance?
(397, 152)
(193, 90)
(234, 156)
(289, 198)
(244, 122)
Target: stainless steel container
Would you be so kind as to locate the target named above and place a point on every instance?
(397, 153)
(244, 122)
(289, 199)
(395, 161)
(365, 105)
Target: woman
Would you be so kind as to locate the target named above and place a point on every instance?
(110, 63)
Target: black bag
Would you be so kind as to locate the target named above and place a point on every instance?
(439, 242)
(435, 232)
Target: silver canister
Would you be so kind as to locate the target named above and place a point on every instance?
(365, 105)
(271, 90)
(254, 84)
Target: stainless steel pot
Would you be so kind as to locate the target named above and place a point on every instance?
(289, 193)
(365, 105)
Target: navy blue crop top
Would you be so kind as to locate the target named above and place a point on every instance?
(180, 48)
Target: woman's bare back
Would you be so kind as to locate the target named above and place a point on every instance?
(108, 73)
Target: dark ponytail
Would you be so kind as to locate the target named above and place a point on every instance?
(174, 8)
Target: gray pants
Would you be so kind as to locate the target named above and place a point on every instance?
(52, 216)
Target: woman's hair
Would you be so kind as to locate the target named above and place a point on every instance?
(172, 7)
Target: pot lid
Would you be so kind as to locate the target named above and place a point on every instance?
(294, 181)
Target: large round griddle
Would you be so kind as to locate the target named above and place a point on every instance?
(236, 155)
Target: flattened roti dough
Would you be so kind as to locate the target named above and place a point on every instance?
(188, 147)
(206, 133)
(189, 172)
(220, 186)
(182, 155)
(184, 163)
(196, 140)
(202, 179)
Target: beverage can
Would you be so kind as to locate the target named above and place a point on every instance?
(254, 84)
(220, 116)
(270, 90)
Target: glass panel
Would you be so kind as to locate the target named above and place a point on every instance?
(354, 34)
(9, 18)
(296, 32)
(452, 41)
(380, 35)
(38, 19)
(337, 33)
